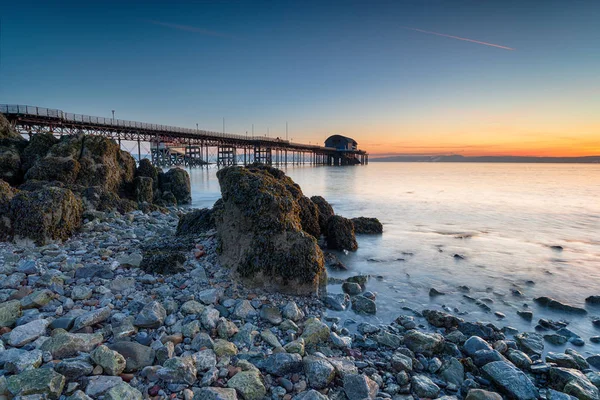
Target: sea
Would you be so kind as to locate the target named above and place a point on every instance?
(481, 233)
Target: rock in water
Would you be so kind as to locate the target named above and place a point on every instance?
(325, 211)
(260, 231)
(511, 380)
(196, 222)
(309, 216)
(47, 214)
(340, 234)
(557, 305)
(177, 181)
(365, 225)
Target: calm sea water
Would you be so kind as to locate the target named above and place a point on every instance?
(502, 218)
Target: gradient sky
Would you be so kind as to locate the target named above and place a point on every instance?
(525, 82)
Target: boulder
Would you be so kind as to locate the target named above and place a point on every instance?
(37, 148)
(177, 181)
(10, 161)
(425, 343)
(248, 384)
(363, 225)
(360, 387)
(46, 214)
(557, 305)
(6, 195)
(260, 231)
(143, 189)
(166, 256)
(196, 222)
(98, 198)
(137, 356)
(325, 211)
(61, 169)
(44, 382)
(146, 169)
(309, 216)
(511, 380)
(340, 234)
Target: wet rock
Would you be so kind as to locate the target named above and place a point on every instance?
(340, 234)
(37, 148)
(63, 344)
(137, 356)
(112, 362)
(91, 318)
(260, 231)
(573, 382)
(441, 319)
(363, 225)
(531, 343)
(388, 339)
(315, 332)
(10, 311)
(74, 368)
(475, 344)
(196, 222)
(526, 315)
(99, 385)
(519, 358)
(511, 380)
(562, 360)
(271, 314)
(248, 384)
(401, 362)
(557, 305)
(594, 361)
(424, 387)
(337, 302)
(143, 189)
(319, 372)
(178, 370)
(480, 394)
(165, 256)
(215, 393)
(291, 311)
(151, 316)
(177, 181)
(352, 288)
(424, 343)
(325, 211)
(360, 387)
(281, 364)
(37, 381)
(122, 391)
(453, 372)
(593, 300)
(27, 333)
(47, 214)
(309, 216)
(363, 305)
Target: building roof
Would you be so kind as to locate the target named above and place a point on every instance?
(341, 138)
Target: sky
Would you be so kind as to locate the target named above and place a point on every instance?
(400, 77)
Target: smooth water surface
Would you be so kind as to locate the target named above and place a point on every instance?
(502, 218)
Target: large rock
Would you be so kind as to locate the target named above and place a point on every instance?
(363, 225)
(61, 169)
(248, 384)
(151, 316)
(10, 311)
(360, 387)
(112, 362)
(319, 372)
(37, 148)
(47, 214)
(166, 256)
(511, 380)
(309, 216)
(260, 231)
(143, 189)
(340, 234)
(177, 182)
(63, 344)
(6, 195)
(43, 381)
(325, 211)
(196, 222)
(137, 356)
(425, 343)
(146, 169)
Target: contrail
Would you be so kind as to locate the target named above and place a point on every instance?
(459, 38)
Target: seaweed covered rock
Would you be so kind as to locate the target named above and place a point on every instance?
(143, 189)
(177, 181)
(6, 195)
(47, 214)
(147, 170)
(37, 148)
(100, 199)
(340, 234)
(325, 211)
(260, 231)
(196, 222)
(165, 256)
(309, 216)
(61, 169)
(11, 146)
(363, 225)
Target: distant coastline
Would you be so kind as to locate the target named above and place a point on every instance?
(490, 159)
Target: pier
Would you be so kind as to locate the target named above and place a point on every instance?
(170, 145)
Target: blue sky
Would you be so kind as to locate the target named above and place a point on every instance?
(350, 67)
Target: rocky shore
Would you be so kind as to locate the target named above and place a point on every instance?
(228, 303)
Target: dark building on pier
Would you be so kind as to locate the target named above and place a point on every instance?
(346, 151)
(341, 143)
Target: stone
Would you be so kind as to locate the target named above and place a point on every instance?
(99, 385)
(519, 358)
(44, 381)
(143, 189)
(78, 395)
(511, 380)
(271, 338)
(215, 393)
(210, 318)
(388, 339)
(363, 305)
(424, 387)
(360, 387)
(572, 381)
(166, 256)
(10, 311)
(27, 333)
(226, 328)
(530, 343)
(292, 312)
(562, 360)
(441, 319)
(63, 344)
(309, 216)
(324, 210)
(74, 368)
(202, 339)
(137, 356)
(132, 260)
(311, 395)
(281, 364)
(401, 362)
(177, 181)
(123, 391)
(81, 293)
(424, 343)
(315, 332)
(37, 299)
(192, 307)
(112, 362)
(248, 384)
(178, 370)
(91, 318)
(259, 226)
(224, 348)
(244, 310)
(208, 296)
(152, 316)
(480, 394)
(121, 283)
(370, 226)
(453, 372)
(271, 314)
(557, 305)
(340, 234)
(29, 360)
(204, 360)
(337, 302)
(319, 372)
(196, 222)
(295, 347)
(352, 288)
(50, 213)
(594, 361)
(475, 344)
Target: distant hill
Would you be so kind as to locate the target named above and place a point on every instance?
(489, 159)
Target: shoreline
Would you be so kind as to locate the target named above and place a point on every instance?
(200, 337)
